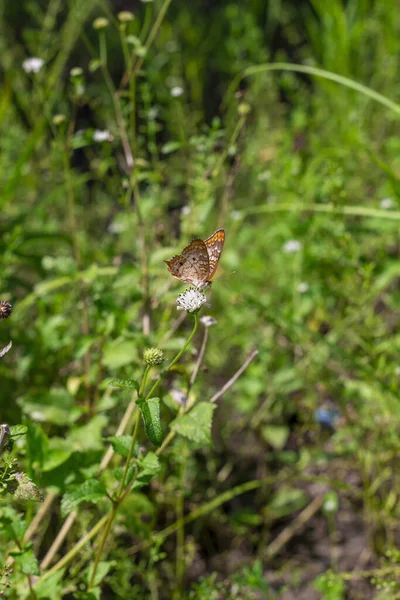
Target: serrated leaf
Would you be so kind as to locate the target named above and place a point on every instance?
(51, 587)
(27, 562)
(148, 467)
(121, 444)
(131, 384)
(196, 425)
(91, 490)
(150, 410)
(18, 430)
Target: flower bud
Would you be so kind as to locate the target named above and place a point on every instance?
(58, 119)
(153, 356)
(244, 109)
(125, 16)
(100, 23)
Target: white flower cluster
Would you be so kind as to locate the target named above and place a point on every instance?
(191, 300)
(32, 65)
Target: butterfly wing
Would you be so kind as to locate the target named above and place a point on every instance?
(214, 245)
(192, 266)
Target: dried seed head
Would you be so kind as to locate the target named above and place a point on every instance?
(5, 309)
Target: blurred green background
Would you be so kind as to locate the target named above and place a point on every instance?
(303, 172)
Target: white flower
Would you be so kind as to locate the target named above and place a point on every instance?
(191, 300)
(292, 246)
(177, 90)
(186, 210)
(302, 287)
(32, 65)
(397, 371)
(101, 135)
(236, 215)
(178, 396)
(386, 203)
(208, 321)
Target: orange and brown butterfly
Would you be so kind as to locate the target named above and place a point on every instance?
(199, 260)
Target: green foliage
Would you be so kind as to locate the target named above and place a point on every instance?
(150, 411)
(196, 425)
(132, 135)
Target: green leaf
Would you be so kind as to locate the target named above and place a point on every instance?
(57, 453)
(27, 562)
(51, 587)
(91, 490)
(276, 435)
(150, 410)
(196, 425)
(121, 444)
(132, 384)
(88, 436)
(171, 147)
(119, 353)
(18, 430)
(148, 467)
(56, 406)
(102, 569)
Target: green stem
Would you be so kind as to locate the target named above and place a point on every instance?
(117, 501)
(345, 81)
(354, 211)
(177, 357)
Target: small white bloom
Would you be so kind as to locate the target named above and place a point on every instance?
(264, 176)
(101, 135)
(236, 215)
(397, 371)
(292, 246)
(186, 210)
(302, 287)
(117, 227)
(32, 65)
(176, 91)
(208, 321)
(191, 300)
(178, 396)
(387, 203)
(152, 113)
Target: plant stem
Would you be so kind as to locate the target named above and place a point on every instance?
(177, 357)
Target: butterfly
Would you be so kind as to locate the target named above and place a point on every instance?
(199, 260)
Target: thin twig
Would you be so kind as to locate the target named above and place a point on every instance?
(37, 520)
(285, 535)
(236, 376)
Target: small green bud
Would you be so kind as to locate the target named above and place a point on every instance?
(58, 119)
(244, 109)
(76, 72)
(100, 23)
(125, 16)
(153, 356)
